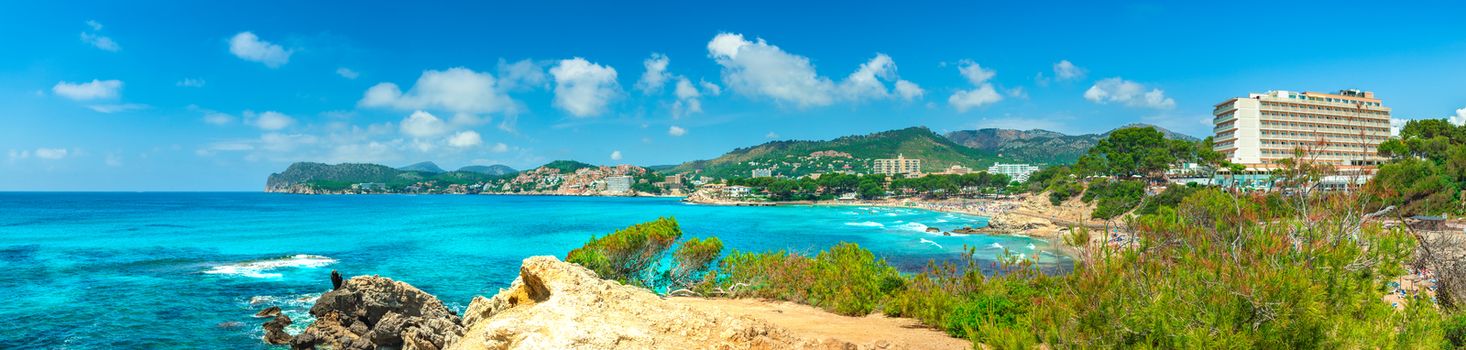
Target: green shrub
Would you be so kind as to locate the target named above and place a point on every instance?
(1455, 330)
(1113, 198)
(629, 255)
(846, 279)
(691, 259)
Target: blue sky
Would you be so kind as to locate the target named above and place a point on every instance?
(152, 95)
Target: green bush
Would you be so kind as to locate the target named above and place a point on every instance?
(1113, 198)
(629, 255)
(691, 259)
(846, 279)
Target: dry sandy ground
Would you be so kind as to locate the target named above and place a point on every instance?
(814, 323)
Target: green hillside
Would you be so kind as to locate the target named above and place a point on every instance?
(342, 176)
(1041, 146)
(793, 158)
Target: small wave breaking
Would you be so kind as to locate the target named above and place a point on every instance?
(928, 241)
(262, 268)
(865, 224)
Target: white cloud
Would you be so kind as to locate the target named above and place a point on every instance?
(909, 91)
(465, 139)
(676, 131)
(983, 92)
(1459, 118)
(456, 90)
(94, 90)
(688, 101)
(757, 69)
(616, 155)
(865, 82)
(771, 135)
(116, 107)
(272, 120)
(51, 153)
(583, 88)
(656, 74)
(94, 24)
(1018, 92)
(1129, 93)
(710, 88)
(347, 73)
(1065, 70)
(112, 160)
(249, 47)
(522, 74)
(217, 118)
(762, 70)
(101, 42)
(499, 148)
(423, 124)
(191, 82)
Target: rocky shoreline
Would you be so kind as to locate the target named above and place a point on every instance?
(551, 305)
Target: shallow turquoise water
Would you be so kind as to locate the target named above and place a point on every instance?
(186, 270)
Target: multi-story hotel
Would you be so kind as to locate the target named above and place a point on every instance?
(1017, 172)
(1343, 128)
(899, 166)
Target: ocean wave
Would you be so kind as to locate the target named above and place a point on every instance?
(928, 241)
(865, 224)
(914, 226)
(261, 268)
(996, 245)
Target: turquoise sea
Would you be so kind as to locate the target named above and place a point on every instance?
(187, 270)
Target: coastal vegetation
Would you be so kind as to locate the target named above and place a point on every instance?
(1427, 170)
(1202, 266)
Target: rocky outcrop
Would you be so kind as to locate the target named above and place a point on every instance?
(558, 305)
(275, 330)
(370, 312)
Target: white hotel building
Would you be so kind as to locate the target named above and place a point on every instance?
(1343, 128)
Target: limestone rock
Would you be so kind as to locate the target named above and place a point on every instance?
(370, 312)
(558, 305)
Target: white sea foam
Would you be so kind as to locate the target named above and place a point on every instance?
(941, 220)
(914, 227)
(1031, 246)
(865, 224)
(262, 268)
(928, 241)
(996, 245)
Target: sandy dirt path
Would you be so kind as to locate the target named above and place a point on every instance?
(873, 330)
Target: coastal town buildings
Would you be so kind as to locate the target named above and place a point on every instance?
(1343, 128)
(618, 184)
(898, 166)
(1017, 172)
(763, 172)
(955, 170)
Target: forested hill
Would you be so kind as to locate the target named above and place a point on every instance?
(849, 153)
(340, 176)
(1040, 146)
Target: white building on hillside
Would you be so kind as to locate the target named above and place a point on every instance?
(618, 184)
(1017, 172)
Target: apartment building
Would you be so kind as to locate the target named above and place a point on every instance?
(1343, 128)
(898, 166)
(1017, 172)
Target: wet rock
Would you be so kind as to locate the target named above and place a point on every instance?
(268, 312)
(933, 230)
(275, 330)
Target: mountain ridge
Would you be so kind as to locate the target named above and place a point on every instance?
(1039, 145)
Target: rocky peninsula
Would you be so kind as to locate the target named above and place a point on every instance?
(559, 305)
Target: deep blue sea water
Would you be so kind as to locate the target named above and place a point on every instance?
(186, 270)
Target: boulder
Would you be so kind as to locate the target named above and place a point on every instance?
(933, 230)
(268, 312)
(371, 312)
(275, 330)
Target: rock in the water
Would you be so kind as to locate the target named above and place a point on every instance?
(268, 312)
(559, 305)
(933, 230)
(368, 312)
(275, 330)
